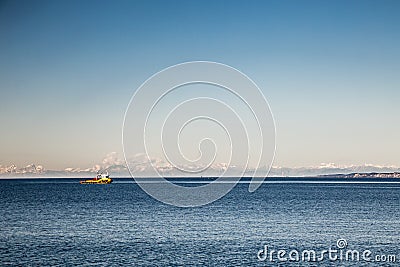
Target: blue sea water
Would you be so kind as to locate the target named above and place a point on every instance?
(58, 222)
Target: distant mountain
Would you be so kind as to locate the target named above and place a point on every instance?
(140, 165)
(29, 169)
(120, 170)
(327, 169)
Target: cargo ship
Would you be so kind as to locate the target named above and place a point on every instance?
(101, 178)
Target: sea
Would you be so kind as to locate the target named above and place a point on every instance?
(59, 222)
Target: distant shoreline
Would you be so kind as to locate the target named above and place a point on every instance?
(373, 175)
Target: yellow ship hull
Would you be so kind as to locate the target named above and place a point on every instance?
(97, 181)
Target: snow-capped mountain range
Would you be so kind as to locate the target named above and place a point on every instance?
(141, 166)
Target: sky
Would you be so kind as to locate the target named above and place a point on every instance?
(329, 70)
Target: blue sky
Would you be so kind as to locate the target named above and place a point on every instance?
(330, 71)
